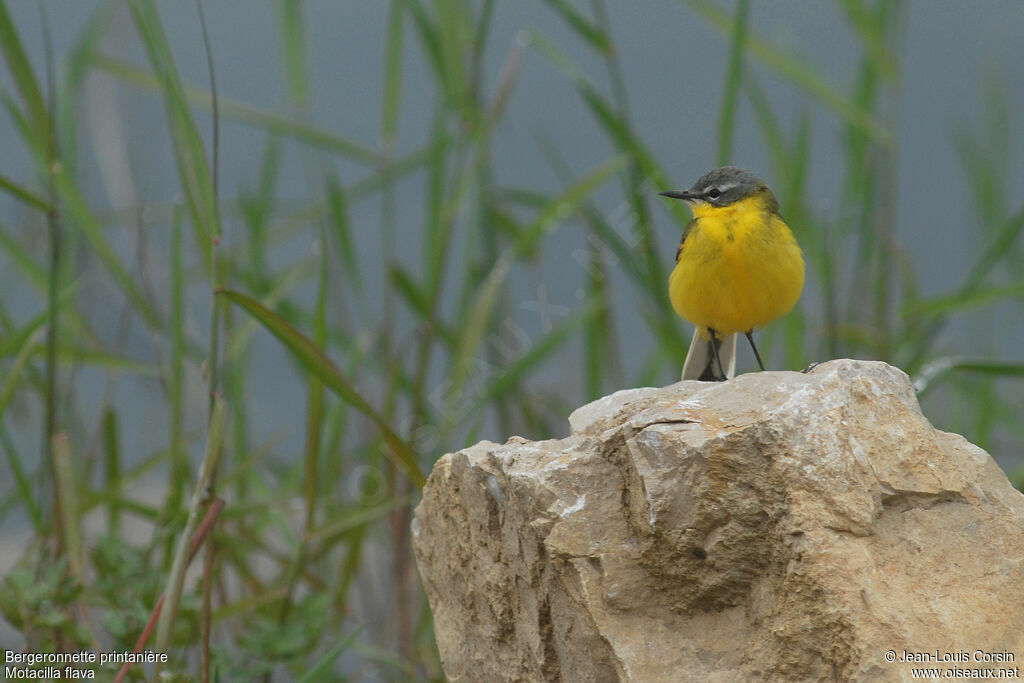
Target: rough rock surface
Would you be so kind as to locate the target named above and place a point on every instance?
(779, 526)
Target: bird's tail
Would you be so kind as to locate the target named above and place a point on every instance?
(700, 360)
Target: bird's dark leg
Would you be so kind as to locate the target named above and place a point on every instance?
(750, 338)
(714, 350)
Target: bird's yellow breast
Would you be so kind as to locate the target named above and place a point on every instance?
(738, 269)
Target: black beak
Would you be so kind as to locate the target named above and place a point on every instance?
(685, 195)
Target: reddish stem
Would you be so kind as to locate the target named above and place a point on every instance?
(198, 537)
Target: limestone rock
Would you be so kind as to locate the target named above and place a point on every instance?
(778, 526)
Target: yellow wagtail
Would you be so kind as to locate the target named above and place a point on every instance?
(738, 267)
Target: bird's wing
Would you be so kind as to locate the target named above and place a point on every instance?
(686, 232)
(699, 360)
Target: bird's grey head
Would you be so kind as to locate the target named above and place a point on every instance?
(722, 187)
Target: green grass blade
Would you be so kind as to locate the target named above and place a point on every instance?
(797, 72)
(178, 455)
(315, 412)
(612, 122)
(1006, 236)
(15, 341)
(78, 212)
(413, 295)
(118, 501)
(559, 208)
(767, 121)
(591, 34)
(21, 258)
(563, 206)
(112, 469)
(512, 374)
(70, 512)
(24, 78)
(293, 36)
(354, 518)
(389, 172)
(314, 431)
(870, 28)
(176, 577)
(930, 375)
(193, 170)
(321, 671)
(455, 33)
(429, 34)
(733, 80)
(23, 194)
(415, 298)
(73, 355)
(998, 248)
(597, 221)
(392, 74)
(287, 280)
(995, 368)
(246, 114)
(337, 212)
(12, 379)
(963, 300)
(22, 483)
(314, 360)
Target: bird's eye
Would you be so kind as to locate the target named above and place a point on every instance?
(714, 193)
